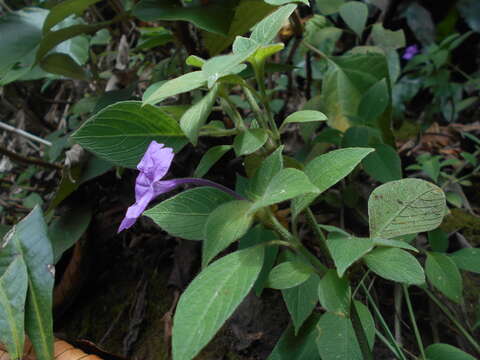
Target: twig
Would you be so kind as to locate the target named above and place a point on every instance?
(24, 134)
(29, 160)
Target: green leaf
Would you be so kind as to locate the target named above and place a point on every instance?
(345, 250)
(374, 103)
(394, 243)
(194, 60)
(405, 207)
(247, 14)
(289, 274)
(179, 85)
(326, 170)
(396, 265)
(62, 64)
(299, 347)
(446, 352)
(328, 7)
(202, 16)
(355, 15)
(210, 158)
(335, 293)
(270, 167)
(266, 30)
(185, 214)
(249, 141)
(211, 298)
(67, 229)
(301, 300)
(64, 9)
(443, 274)
(13, 293)
(286, 184)
(223, 65)
(336, 338)
(227, 223)
(383, 164)
(438, 240)
(28, 239)
(283, 2)
(121, 132)
(467, 259)
(196, 116)
(387, 39)
(262, 53)
(303, 117)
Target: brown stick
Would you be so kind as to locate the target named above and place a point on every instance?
(29, 160)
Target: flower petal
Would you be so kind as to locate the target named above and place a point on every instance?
(134, 211)
(156, 161)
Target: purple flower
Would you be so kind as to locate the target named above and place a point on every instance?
(410, 52)
(153, 167)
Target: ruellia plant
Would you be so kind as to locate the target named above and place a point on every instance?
(248, 243)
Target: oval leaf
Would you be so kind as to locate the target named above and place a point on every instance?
(185, 214)
(467, 259)
(355, 15)
(345, 250)
(334, 293)
(446, 352)
(443, 274)
(289, 274)
(121, 132)
(405, 207)
(396, 265)
(249, 141)
(304, 116)
(211, 298)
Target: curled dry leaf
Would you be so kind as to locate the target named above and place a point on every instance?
(62, 351)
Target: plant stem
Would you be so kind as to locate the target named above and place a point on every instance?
(414, 322)
(320, 235)
(231, 111)
(287, 236)
(256, 109)
(360, 333)
(464, 332)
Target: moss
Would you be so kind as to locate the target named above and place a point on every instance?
(460, 220)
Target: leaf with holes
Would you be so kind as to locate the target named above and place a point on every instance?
(211, 298)
(121, 132)
(405, 207)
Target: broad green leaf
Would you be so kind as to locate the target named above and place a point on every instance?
(405, 207)
(285, 185)
(28, 239)
(345, 250)
(211, 298)
(438, 240)
(67, 229)
(336, 338)
(304, 116)
(289, 274)
(13, 293)
(227, 223)
(443, 274)
(374, 103)
(328, 7)
(255, 236)
(396, 265)
(355, 15)
(262, 53)
(441, 351)
(223, 65)
(394, 243)
(335, 293)
(64, 9)
(210, 158)
(301, 300)
(361, 136)
(326, 170)
(194, 60)
(247, 14)
(467, 259)
(269, 168)
(266, 30)
(196, 116)
(185, 214)
(299, 347)
(387, 39)
(205, 17)
(383, 164)
(62, 64)
(179, 85)
(121, 132)
(249, 141)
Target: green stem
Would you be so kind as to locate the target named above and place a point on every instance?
(318, 232)
(464, 332)
(287, 236)
(217, 132)
(398, 352)
(256, 109)
(232, 111)
(414, 322)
